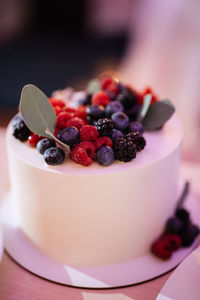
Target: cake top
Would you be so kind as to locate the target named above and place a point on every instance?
(104, 123)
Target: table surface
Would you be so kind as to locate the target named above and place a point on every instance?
(17, 283)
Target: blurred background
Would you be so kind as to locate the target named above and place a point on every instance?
(54, 44)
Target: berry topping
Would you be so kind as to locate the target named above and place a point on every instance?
(105, 156)
(161, 249)
(45, 144)
(113, 107)
(127, 97)
(100, 98)
(101, 141)
(133, 112)
(33, 139)
(125, 150)
(116, 133)
(62, 119)
(76, 122)
(104, 127)
(136, 126)
(89, 133)
(69, 136)
(80, 112)
(83, 153)
(189, 235)
(86, 100)
(120, 120)
(174, 225)
(183, 215)
(57, 102)
(106, 81)
(174, 241)
(20, 130)
(137, 139)
(54, 156)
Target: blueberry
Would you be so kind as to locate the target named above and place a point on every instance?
(105, 156)
(95, 111)
(174, 225)
(136, 126)
(113, 107)
(189, 235)
(116, 133)
(45, 144)
(120, 120)
(54, 156)
(69, 136)
(183, 215)
(86, 100)
(127, 98)
(110, 95)
(20, 130)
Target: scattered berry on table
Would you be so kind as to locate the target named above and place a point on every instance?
(89, 133)
(45, 144)
(101, 141)
(136, 126)
(137, 139)
(100, 98)
(69, 136)
(104, 127)
(113, 107)
(120, 120)
(83, 153)
(20, 130)
(116, 133)
(54, 156)
(105, 156)
(125, 150)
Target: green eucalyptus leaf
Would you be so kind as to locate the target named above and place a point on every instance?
(158, 113)
(93, 86)
(36, 110)
(146, 105)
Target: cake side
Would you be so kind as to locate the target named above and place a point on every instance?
(100, 215)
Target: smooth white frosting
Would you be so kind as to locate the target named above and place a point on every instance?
(97, 215)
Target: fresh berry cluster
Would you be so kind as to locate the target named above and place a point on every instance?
(104, 126)
(179, 232)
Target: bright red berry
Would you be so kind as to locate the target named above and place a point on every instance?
(57, 109)
(161, 248)
(88, 133)
(148, 90)
(83, 153)
(62, 118)
(56, 131)
(100, 98)
(76, 122)
(34, 139)
(57, 102)
(173, 239)
(106, 81)
(70, 109)
(101, 141)
(80, 112)
(113, 88)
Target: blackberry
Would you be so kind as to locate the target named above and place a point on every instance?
(104, 127)
(183, 215)
(20, 130)
(124, 148)
(137, 139)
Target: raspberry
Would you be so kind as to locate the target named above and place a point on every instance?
(104, 127)
(57, 109)
(62, 119)
(88, 133)
(101, 141)
(148, 90)
(56, 131)
(106, 81)
(137, 139)
(76, 122)
(100, 98)
(161, 249)
(174, 241)
(70, 109)
(83, 153)
(57, 102)
(80, 112)
(34, 139)
(125, 150)
(113, 88)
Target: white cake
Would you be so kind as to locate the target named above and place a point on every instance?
(89, 216)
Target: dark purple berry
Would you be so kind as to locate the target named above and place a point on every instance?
(113, 107)
(104, 127)
(116, 133)
(127, 98)
(45, 144)
(54, 156)
(136, 126)
(105, 156)
(69, 136)
(95, 111)
(120, 120)
(125, 150)
(20, 130)
(133, 112)
(189, 235)
(174, 225)
(86, 100)
(183, 215)
(137, 139)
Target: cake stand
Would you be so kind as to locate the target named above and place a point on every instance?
(138, 270)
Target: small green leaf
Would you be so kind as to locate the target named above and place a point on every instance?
(158, 113)
(93, 86)
(36, 110)
(145, 106)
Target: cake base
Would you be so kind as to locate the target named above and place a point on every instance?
(144, 268)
